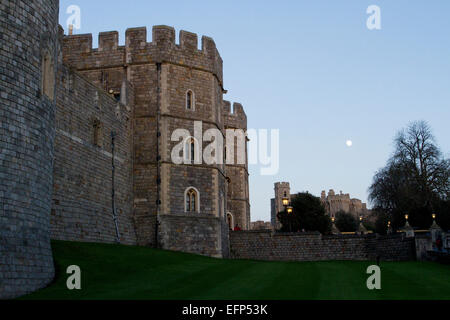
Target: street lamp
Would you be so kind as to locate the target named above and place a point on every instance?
(435, 230)
(409, 231)
(334, 229)
(289, 210)
(362, 229)
(285, 201)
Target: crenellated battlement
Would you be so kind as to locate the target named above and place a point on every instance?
(79, 52)
(282, 185)
(236, 118)
(108, 41)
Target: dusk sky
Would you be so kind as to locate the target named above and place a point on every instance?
(313, 70)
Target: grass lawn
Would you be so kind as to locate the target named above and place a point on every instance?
(125, 272)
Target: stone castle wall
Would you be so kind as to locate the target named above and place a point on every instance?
(82, 193)
(335, 203)
(265, 245)
(238, 204)
(28, 55)
(161, 72)
(201, 234)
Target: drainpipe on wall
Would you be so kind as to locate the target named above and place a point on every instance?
(113, 202)
(158, 156)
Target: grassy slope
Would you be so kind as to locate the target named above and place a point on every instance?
(123, 272)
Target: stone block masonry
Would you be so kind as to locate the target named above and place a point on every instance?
(82, 196)
(61, 100)
(201, 234)
(266, 245)
(28, 55)
(162, 73)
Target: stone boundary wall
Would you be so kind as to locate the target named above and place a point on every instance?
(266, 245)
(200, 234)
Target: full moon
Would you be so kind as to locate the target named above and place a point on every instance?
(349, 143)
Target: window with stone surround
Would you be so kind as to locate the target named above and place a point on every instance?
(48, 76)
(190, 100)
(191, 200)
(191, 150)
(97, 138)
(230, 220)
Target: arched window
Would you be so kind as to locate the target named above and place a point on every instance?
(190, 100)
(190, 150)
(230, 220)
(191, 200)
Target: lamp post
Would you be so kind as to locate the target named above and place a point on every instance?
(362, 229)
(334, 229)
(289, 210)
(435, 230)
(389, 230)
(409, 231)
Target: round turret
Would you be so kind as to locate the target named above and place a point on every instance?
(29, 54)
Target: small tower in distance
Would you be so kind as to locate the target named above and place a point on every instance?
(282, 190)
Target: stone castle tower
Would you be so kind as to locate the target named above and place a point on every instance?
(282, 190)
(87, 142)
(29, 54)
(175, 86)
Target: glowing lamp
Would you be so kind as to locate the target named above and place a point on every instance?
(289, 209)
(434, 216)
(285, 201)
(406, 216)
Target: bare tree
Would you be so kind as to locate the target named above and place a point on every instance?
(415, 179)
(416, 152)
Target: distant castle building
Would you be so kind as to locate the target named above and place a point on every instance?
(333, 203)
(260, 225)
(342, 202)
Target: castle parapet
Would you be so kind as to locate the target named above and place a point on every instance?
(108, 41)
(79, 53)
(80, 43)
(236, 118)
(188, 41)
(163, 36)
